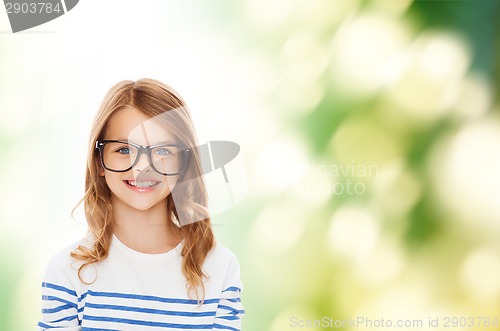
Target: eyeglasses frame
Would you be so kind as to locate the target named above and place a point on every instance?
(99, 145)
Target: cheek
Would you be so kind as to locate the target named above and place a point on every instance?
(112, 179)
(171, 182)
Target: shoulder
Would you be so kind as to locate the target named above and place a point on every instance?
(62, 266)
(221, 259)
(63, 256)
(220, 253)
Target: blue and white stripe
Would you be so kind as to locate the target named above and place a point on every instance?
(95, 310)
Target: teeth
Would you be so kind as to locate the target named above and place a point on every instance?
(142, 184)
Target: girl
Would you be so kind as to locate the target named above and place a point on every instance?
(150, 260)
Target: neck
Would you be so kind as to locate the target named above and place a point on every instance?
(146, 231)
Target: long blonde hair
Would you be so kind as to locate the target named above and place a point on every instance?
(153, 98)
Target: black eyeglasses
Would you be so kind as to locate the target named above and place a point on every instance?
(121, 156)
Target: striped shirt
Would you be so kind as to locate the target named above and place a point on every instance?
(130, 290)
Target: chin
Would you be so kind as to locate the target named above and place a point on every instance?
(145, 206)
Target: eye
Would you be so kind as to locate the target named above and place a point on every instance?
(124, 150)
(161, 151)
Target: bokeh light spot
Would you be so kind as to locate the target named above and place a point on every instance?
(480, 273)
(363, 52)
(467, 177)
(353, 232)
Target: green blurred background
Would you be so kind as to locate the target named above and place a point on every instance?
(370, 132)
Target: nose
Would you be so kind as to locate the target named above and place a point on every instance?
(143, 163)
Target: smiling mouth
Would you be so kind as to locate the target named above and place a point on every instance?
(142, 184)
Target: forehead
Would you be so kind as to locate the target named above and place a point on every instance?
(132, 125)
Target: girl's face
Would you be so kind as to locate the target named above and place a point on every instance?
(141, 187)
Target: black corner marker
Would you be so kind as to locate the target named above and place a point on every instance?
(26, 14)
